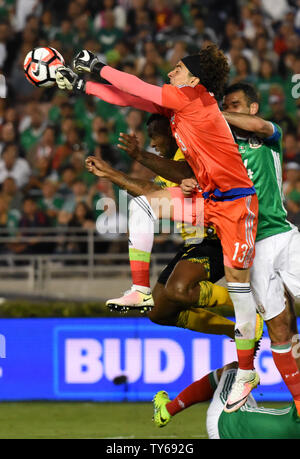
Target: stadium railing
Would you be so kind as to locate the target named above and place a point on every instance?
(49, 270)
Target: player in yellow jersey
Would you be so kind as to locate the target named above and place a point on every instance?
(187, 283)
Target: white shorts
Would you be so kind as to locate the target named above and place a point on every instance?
(219, 399)
(276, 265)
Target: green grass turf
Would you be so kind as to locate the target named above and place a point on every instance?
(51, 420)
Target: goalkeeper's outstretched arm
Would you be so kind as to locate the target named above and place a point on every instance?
(115, 96)
(85, 61)
(67, 79)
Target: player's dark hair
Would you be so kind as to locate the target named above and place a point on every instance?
(250, 92)
(211, 67)
(158, 124)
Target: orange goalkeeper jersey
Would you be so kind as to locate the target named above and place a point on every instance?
(206, 140)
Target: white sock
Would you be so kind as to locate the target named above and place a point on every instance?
(141, 237)
(244, 309)
(141, 224)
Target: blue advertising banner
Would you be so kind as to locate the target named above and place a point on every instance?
(115, 360)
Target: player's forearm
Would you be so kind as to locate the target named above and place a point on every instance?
(135, 187)
(250, 123)
(175, 171)
(132, 85)
(115, 96)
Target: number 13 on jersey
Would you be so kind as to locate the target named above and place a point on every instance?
(240, 249)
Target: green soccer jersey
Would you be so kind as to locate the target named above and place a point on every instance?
(260, 423)
(263, 161)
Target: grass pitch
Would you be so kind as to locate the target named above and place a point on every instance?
(51, 420)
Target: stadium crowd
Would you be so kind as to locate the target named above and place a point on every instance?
(45, 134)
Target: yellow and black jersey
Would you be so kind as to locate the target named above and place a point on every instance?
(188, 232)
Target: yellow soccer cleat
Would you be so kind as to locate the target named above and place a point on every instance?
(161, 416)
(259, 330)
(259, 327)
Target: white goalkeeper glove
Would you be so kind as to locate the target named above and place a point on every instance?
(67, 79)
(86, 61)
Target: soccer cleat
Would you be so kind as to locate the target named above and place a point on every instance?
(259, 330)
(240, 390)
(161, 416)
(132, 300)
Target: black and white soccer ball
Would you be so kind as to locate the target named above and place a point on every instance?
(40, 65)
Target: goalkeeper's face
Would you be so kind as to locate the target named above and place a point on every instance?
(180, 76)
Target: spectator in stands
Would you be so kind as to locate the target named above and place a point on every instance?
(134, 120)
(82, 217)
(34, 218)
(9, 219)
(292, 177)
(118, 11)
(67, 179)
(291, 152)
(277, 112)
(31, 136)
(12, 194)
(263, 50)
(78, 164)
(8, 135)
(109, 35)
(46, 147)
(11, 165)
(266, 79)
(42, 171)
(50, 202)
(63, 152)
(243, 71)
(11, 115)
(201, 32)
(79, 194)
(4, 38)
(176, 31)
(108, 152)
(293, 206)
(83, 30)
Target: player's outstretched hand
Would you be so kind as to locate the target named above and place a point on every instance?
(98, 166)
(67, 79)
(129, 143)
(86, 61)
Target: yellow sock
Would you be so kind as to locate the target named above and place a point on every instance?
(204, 321)
(213, 295)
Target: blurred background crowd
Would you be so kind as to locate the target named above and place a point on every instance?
(45, 134)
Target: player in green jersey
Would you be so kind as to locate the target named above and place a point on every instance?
(249, 422)
(276, 269)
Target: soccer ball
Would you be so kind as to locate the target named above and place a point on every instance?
(40, 65)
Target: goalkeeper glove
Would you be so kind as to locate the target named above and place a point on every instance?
(67, 79)
(85, 61)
